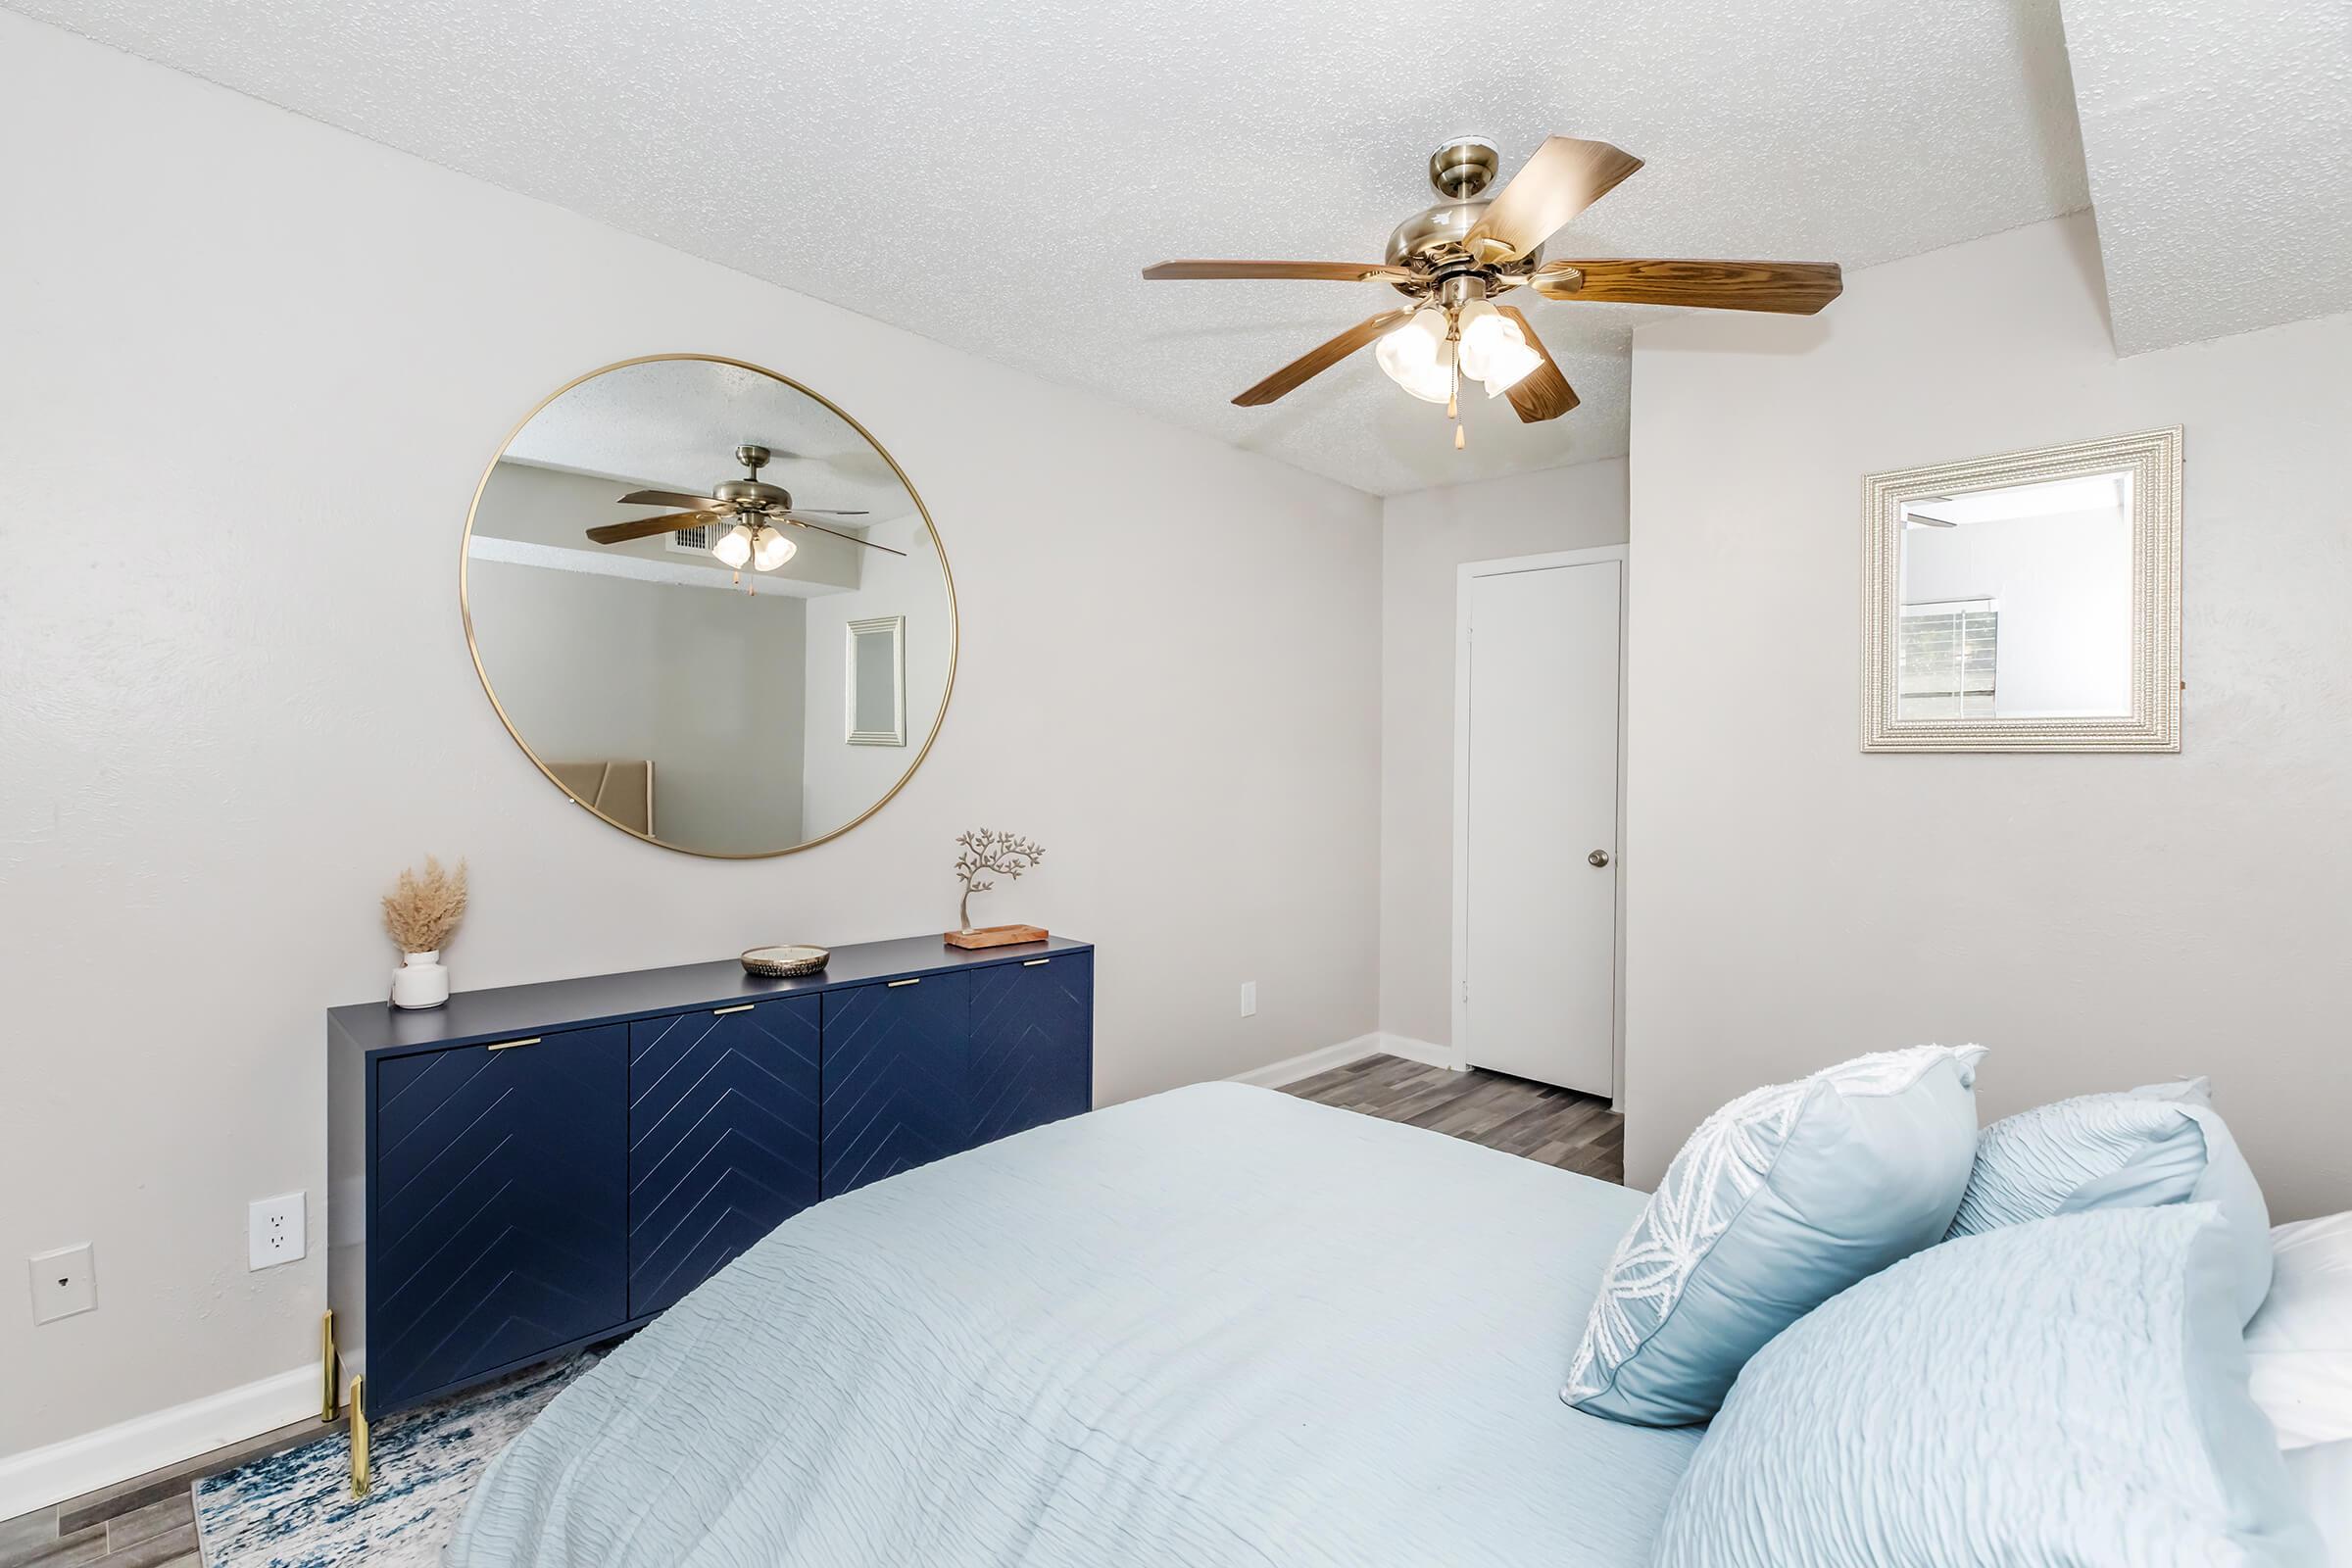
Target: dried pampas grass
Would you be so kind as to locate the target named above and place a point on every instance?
(422, 911)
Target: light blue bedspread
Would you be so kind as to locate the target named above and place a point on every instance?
(1218, 1326)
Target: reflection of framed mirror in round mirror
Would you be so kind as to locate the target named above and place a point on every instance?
(745, 656)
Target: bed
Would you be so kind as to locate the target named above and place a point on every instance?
(1217, 1326)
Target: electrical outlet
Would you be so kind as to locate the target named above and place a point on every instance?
(1248, 999)
(64, 1282)
(274, 1233)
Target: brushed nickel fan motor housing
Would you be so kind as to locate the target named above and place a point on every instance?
(1430, 239)
(751, 494)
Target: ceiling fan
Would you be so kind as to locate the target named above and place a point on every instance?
(755, 506)
(1451, 261)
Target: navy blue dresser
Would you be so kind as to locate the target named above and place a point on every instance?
(533, 1168)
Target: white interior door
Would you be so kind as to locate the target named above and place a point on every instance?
(1535, 819)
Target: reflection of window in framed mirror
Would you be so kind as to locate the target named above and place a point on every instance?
(1950, 661)
(875, 700)
(2029, 602)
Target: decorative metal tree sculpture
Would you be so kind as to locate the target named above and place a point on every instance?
(986, 852)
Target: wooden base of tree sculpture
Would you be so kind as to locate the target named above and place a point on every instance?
(988, 853)
(997, 936)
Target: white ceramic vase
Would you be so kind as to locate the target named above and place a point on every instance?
(421, 981)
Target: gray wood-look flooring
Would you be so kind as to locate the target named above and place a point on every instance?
(146, 1522)
(150, 1522)
(1558, 1126)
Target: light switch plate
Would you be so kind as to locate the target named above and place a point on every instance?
(274, 1231)
(64, 1282)
(1248, 999)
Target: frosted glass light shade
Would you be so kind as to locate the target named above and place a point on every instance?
(735, 547)
(1509, 363)
(1417, 356)
(770, 549)
(1433, 382)
(1482, 327)
(1493, 349)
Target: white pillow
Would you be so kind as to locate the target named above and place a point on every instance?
(2300, 1344)
(2322, 1477)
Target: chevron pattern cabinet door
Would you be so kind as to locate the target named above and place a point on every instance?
(1033, 1057)
(499, 1207)
(897, 1078)
(722, 1140)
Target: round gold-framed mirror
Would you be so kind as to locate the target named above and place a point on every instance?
(708, 606)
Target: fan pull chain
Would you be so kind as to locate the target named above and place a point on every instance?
(1453, 400)
(1455, 393)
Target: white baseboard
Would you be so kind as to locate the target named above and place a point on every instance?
(39, 1476)
(1290, 1070)
(1413, 1049)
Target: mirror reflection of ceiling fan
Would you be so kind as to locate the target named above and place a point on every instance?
(755, 507)
(1451, 260)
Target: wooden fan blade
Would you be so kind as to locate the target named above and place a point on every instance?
(1544, 393)
(820, 512)
(797, 522)
(671, 498)
(1333, 271)
(614, 533)
(1790, 288)
(1307, 366)
(1563, 178)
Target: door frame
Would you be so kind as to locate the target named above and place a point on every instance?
(1468, 574)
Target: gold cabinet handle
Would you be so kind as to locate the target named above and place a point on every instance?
(895, 984)
(1031, 963)
(721, 1013)
(512, 1044)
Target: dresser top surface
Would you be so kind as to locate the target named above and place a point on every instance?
(469, 1016)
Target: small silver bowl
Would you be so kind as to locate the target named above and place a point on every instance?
(784, 963)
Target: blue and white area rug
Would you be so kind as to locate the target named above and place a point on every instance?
(295, 1510)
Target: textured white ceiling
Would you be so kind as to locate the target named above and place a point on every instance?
(2219, 146)
(994, 175)
(675, 424)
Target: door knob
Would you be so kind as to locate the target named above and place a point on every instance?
(1597, 857)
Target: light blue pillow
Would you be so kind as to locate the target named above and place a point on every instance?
(2065, 1392)
(1777, 1202)
(2159, 1144)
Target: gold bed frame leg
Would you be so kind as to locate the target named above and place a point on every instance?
(329, 1369)
(359, 1437)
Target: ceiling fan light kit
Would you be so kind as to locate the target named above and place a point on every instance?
(1452, 261)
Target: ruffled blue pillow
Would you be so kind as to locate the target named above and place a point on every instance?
(2062, 1392)
(1777, 1202)
(2156, 1145)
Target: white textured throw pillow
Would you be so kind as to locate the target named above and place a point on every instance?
(2300, 1344)
(1777, 1202)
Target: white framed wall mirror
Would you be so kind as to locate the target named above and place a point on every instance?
(2029, 602)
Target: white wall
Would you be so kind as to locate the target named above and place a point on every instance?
(1424, 537)
(594, 669)
(2097, 921)
(219, 750)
